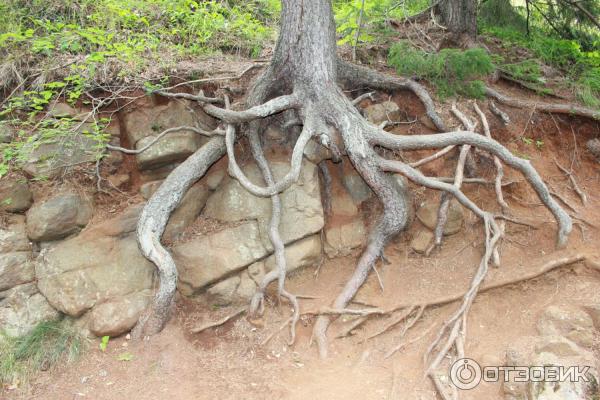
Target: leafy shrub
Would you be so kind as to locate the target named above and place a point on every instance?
(452, 71)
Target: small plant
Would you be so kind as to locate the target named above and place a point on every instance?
(104, 343)
(451, 71)
(47, 344)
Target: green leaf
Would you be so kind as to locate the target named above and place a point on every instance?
(104, 342)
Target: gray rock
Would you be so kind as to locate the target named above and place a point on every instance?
(6, 133)
(427, 214)
(143, 121)
(119, 314)
(157, 174)
(246, 288)
(15, 195)
(214, 178)
(378, 113)
(13, 237)
(51, 159)
(559, 346)
(574, 324)
(192, 203)
(223, 293)
(356, 186)
(100, 264)
(303, 253)
(149, 188)
(341, 238)
(315, 152)
(22, 308)
(16, 269)
(208, 259)
(420, 242)
(302, 213)
(593, 146)
(62, 110)
(257, 271)
(58, 217)
(342, 204)
(174, 147)
(593, 311)
(548, 390)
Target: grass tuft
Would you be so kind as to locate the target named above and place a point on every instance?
(452, 71)
(48, 343)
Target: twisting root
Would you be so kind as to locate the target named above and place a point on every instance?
(552, 108)
(497, 163)
(458, 178)
(571, 177)
(151, 226)
(326, 174)
(453, 331)
(499, 113)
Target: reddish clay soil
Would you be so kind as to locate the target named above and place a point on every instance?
(231, 363)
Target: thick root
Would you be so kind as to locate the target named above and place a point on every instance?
(151, 226)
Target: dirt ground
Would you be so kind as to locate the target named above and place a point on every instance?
(231, 362)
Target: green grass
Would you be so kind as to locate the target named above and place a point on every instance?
(46, 345)
(451, 71)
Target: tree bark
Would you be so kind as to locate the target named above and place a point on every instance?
(460, 19)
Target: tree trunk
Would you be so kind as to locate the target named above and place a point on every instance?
(460, 19)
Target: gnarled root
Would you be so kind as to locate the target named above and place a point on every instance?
(151, 226)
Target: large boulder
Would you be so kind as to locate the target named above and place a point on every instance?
(186, 212)
(119, 314)
(51, 158)
(428, 214)
(148, 120)
(174, 147)
(386, 111)
(302, 212)
(22, 308)
(15, 269)
(99, 265)
(210, 258)
(15, 195)
(13, 236)
(58, 217)
(574, 324)
(344, 236)
(303, 253)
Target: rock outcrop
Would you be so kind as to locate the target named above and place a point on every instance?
(58, 217)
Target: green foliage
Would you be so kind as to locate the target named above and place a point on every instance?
(451, 71)
(104, 342)
(580, 67)
(375, 15)
(48, 343)
(133, 30)
(588, 88)
(501, 13)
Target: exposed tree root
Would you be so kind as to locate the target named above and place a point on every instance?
(499, 113)
(497, 163)
(151, 226)
(553, 108)
(302, 81)
(576, 187)
(220, 322)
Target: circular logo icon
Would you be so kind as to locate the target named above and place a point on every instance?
(465, 373)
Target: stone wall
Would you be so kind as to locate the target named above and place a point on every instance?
(58, 258)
